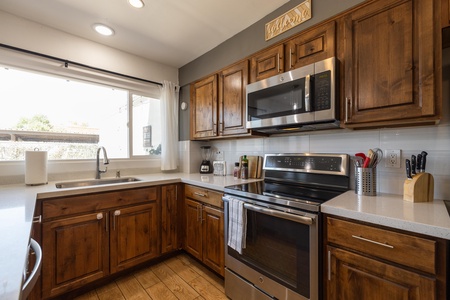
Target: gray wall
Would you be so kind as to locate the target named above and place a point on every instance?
(247, 42)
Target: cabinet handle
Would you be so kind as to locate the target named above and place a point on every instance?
(373, 242)
(290, 58)
(107, 222)
(329, 265)
(278, 62)
(199, 194)
(116, 213)
(347, 103)
(37, 219)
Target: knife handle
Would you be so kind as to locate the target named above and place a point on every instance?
(419, 163)
(413, 164)
(424, 161)
(408, 168)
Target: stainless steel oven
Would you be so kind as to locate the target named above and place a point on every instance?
(280, 258)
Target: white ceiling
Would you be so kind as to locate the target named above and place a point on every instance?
(172, 32)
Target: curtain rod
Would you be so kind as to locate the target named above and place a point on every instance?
(67, 62)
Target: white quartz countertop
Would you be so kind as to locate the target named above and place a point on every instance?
(17, 204)
(430, 218)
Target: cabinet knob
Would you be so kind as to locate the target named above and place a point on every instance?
(99, 216)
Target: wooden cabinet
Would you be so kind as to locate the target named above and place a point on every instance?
(311, 46)
(204, 108)
(169, 218)
(232, 99)
(267, 63)
(87, 237)
(204, 234)
(218, 103)
(445, 13)
(390, 54)
(367, 262)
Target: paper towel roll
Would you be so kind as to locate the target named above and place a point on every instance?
(36, 167)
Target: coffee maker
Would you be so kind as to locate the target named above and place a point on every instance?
(206, 166)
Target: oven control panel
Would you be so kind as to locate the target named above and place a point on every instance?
(337, 164)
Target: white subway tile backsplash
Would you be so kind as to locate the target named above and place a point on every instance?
(349, 142)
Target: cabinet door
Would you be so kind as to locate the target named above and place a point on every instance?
(75, 252)
(445, 8)
(213, 239)
(204, 108)
(232, 99)
(169, 216)
(267, 63)
(391, 63)
(193, 234)
(355, 277)
(133, 235)
(312, 46)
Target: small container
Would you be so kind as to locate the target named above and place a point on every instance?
(244, 170)
(236, 171)
(366, 181)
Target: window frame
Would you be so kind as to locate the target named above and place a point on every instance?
(47, 66)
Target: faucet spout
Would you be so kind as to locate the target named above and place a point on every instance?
(105, 162)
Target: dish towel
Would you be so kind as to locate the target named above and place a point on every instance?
(237, 225)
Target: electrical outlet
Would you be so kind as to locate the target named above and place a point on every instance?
(392, 158)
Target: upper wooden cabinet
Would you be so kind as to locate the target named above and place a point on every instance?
(312, 46)
(204, 108)
(232, 103)
(391, 62)
(220, 97)
(267, 63)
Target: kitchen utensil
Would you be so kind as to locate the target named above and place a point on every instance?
(413, 164)
(424, 161)
(376, 155)
(357, 161)
(408, 168)
(366, 162)
(419, 163)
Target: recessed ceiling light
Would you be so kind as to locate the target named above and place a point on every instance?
(136, 3)
(103, 29)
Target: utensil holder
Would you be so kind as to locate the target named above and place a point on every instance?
(419, 189)
(366, 181)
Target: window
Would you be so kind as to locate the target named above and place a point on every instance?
(71, 118)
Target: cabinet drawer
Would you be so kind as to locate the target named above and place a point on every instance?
(204, 195)
(71, 205)
(412, 251)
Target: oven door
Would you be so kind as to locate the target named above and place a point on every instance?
(280, 257)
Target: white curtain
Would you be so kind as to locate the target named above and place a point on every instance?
(169, 126)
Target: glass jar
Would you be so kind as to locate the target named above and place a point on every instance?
(236, 171)
(244, 170)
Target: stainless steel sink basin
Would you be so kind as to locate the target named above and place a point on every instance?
(90, 182)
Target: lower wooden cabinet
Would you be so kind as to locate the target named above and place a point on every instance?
(204, 230)
(362, 261)
(87, 237)
(169, 218)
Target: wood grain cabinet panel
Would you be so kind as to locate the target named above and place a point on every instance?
(355, 277)
(133, 236)
(267, 63)
(169, 218)
(312, 46)
(204, 230)
(88, 237)
(204, 108)
(445, 13)
(75, 252)
(363, 261)
(232, 99)
(391, 55)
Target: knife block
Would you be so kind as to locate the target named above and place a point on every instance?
(419, 189)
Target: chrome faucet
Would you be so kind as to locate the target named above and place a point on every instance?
(105, 162)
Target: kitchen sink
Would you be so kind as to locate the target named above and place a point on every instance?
(91, 182)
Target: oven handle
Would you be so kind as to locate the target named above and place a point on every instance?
(280, 214)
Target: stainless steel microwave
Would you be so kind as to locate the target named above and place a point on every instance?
(299, 100)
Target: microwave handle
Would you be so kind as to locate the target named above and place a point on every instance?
(307, 93)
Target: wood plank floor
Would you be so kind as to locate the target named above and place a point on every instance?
(180, 277)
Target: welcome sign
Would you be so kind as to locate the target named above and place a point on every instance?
(288, 20)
